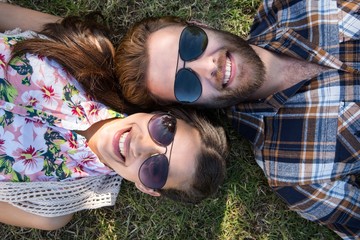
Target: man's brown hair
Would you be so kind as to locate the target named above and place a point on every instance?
(132, 59)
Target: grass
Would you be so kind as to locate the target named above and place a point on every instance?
(244, 208)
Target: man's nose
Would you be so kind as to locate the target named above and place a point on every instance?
(205, 67)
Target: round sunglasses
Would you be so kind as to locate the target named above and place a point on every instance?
(153, 172)
(192, 44)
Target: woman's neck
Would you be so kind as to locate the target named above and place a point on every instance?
(91, 134)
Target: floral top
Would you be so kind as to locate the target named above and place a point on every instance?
(40, 107)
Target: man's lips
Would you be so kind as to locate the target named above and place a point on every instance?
(121, 143)
(228, 70)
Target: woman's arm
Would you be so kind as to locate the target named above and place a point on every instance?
(12, 215)
(12, 16)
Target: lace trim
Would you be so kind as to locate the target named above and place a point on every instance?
(52, 199)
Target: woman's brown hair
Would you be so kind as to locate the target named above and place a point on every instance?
(83, 48)
(210, 162)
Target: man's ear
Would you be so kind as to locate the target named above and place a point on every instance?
(147, 190)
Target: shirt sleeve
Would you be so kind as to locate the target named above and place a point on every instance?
(334, 204)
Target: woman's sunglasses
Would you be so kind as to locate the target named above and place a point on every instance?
(193, 42)
(153, 172)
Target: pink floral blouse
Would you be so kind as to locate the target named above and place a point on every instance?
(40, 107)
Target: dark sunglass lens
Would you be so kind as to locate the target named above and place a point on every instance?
(162, 129)
(193, 42)
(153, 172)
(187, 86)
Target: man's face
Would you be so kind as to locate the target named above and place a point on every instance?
(229, 69)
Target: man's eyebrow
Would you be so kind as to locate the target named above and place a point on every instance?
(197, 23)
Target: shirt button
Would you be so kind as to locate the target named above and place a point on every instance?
(8, 106)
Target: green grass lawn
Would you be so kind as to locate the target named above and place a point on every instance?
(245, 207)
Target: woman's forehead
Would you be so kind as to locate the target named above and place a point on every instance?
(186, 148)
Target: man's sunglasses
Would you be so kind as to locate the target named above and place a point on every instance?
(193, 42)
(153, 172)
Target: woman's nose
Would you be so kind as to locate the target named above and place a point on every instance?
(143, 147)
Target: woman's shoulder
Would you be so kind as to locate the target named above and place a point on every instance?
(17, 32)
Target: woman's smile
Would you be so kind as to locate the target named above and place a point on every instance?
(124, 144)
(121, 142)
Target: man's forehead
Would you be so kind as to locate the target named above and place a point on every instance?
(162, 50)
(169, 31)
(163, 44)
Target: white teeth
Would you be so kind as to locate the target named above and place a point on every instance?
(122, 143)
(227, 71)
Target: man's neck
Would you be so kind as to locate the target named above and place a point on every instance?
(283, 72)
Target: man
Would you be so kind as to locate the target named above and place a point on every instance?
(294, 88)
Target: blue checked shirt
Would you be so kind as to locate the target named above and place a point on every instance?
(306, 138)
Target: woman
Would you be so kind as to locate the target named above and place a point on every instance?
(62, 148)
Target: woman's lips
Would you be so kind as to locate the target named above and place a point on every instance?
(120, 143)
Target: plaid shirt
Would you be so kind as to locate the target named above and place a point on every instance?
(306, 138)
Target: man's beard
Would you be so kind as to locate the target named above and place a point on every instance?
(236, 44)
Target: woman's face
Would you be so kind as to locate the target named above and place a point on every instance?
(124, 144)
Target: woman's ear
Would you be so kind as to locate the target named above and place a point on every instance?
(147, 190)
